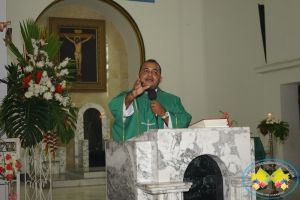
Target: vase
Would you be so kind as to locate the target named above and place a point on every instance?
(264, 131)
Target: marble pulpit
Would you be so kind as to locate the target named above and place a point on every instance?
(152, 166)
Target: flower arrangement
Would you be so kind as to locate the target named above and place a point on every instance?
(280, 129)
(37, 106)
(226, 116)
(9, 167)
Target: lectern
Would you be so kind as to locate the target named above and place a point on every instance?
(152, 166)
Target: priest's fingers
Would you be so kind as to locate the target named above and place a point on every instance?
(137, 84)
(155, 103)
(138, 89)
(157, 108)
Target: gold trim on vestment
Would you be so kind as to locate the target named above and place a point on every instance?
(137, 114)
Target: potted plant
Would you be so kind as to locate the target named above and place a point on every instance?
(37, 107)
(280, 129)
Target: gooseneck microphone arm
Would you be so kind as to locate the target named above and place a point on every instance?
(152, 96)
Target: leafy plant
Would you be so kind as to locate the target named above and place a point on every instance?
(37, 106)
(280, 129)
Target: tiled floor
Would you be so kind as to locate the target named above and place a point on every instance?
(75, 193)
(98, 193)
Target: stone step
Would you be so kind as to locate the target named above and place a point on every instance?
(78, 182)
(80, 177)
(87, 173)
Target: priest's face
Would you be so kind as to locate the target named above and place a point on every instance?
(150, 75)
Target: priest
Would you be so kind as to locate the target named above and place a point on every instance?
(135, 113)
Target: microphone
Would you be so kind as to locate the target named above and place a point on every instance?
(152, 96)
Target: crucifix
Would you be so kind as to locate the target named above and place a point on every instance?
(148, 124)
(78, 40)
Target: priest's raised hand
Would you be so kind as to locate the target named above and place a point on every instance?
(137, 90)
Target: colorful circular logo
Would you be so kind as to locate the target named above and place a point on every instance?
(271, 178)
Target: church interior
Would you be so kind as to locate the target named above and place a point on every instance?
(240, 57)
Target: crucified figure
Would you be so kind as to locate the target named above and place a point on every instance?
(78, 45)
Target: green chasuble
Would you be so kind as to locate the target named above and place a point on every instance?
(137, 122)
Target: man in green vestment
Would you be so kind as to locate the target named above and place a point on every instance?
(135, 113)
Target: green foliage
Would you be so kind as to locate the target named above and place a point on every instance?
(28, 115)
(280, 129)
(24, 119)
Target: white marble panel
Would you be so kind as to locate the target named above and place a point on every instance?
(179, 149)
(54, 166)
(168, 153)
(83, 153)
(252, 150)
(144, 158)
(62, 159)
(121, 169)
(239, 192)
(80, 153)
(85, 149)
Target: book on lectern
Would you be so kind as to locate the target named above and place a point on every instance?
(204, 123)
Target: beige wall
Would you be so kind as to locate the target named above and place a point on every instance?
(117, 67)
(3, 60)
(3, 52)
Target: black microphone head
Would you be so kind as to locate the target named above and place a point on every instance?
(152, 94)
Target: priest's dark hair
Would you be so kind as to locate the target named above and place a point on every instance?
(151, 61)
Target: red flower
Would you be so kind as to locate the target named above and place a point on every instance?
(38, 77)
(45, 34)
(8, 157)
(11, 195)
(53, 154)
(26, 81)
(56, 77)
(18, 164)
(66, 122)
(10, 176)
(58, 89)
(27, 57)
(9, 167)
(1, 169)
(226, 116)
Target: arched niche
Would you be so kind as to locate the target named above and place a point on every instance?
(119, 17)
(81, 152)
(210, 178)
